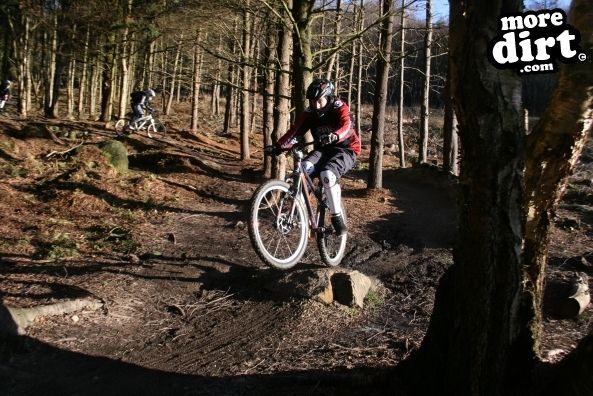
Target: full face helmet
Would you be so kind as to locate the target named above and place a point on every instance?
(150, 93)
(7, 82)
(318, 89)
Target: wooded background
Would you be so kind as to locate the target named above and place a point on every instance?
(240, 60)
(246, 62)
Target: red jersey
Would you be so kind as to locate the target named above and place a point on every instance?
(337, 118)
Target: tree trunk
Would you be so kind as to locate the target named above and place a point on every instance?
(358, 115)
(270, 78)
(125, 52)
(378, 124)
(83, 75)
(50, 56)
(424, 108)
(254, 91)
(245, 80)
(478, 340)
(450, 141)
(70, 87)
(55, 97)
(302, 56)
(556, 141)
(351, 64)
(107, 79)
(402, 81)
(228, 107)
(195, 97)
(334, 60)
(173, 76)
(215, 103)
(95, 83)
(282, 107)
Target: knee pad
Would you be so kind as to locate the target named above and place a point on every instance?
(333, 191)
(328, 178)
(309, 167)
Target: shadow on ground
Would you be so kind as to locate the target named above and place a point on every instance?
(72, 373)
(424, 214)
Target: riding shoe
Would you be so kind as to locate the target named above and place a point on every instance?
(339, 224)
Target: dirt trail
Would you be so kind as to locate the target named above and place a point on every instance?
(186, 307)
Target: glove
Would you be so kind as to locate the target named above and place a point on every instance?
(273, 150)
(328, 138)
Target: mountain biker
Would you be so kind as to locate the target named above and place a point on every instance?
(336, 143)
(4, 93)
(140, 101)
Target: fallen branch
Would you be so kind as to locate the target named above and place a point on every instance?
(15, 320)
(63, 152)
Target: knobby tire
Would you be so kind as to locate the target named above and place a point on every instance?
(331, 245)
(278, 241)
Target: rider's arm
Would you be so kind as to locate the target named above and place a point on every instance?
(345, 122)
(299, 128)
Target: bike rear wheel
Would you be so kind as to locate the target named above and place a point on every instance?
(278, 225)
(122, 126)
(156, 129)
(331, 245)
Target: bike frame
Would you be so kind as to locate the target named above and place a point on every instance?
(304, 186)
(142, 122)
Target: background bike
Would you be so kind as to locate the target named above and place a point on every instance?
(284, 215)
(149, 123)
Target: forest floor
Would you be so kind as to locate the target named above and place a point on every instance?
(185, 303)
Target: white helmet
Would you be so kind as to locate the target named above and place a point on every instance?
(150, 93)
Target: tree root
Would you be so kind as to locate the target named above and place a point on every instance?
(15, 320)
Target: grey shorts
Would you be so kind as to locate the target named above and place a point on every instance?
(336, 159)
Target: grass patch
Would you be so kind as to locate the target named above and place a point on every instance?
(62, 247)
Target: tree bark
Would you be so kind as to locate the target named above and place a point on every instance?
(334, 59)
(215, 103)
(282, 107)
(400, 106)
(124, 62)
(556, 141)
(358, 115)
(378, 124)
(245, 81)
(450, 141)
(107, 79)
(174, 76)
(478, 340)
(195, 97)
(302, 55)
(83, 81)
(424, 108)
(270, 78)
(70, 86)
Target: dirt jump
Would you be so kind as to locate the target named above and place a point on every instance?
(144, 281)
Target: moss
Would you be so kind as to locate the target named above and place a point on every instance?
(116, 154)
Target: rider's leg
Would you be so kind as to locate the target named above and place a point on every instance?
(309, 167)
(339, 161)
(138, 113)
(333, 193)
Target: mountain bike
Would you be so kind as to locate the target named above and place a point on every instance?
(284, 215)
(149, 123)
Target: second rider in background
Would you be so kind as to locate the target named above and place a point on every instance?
(336, 143)
(140, 100)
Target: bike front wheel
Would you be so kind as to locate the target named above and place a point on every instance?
(156, 129)
(278, 225)
(331, 245)
(122, 126)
